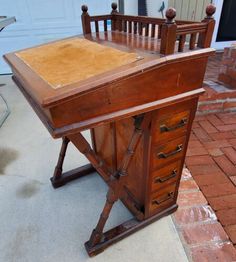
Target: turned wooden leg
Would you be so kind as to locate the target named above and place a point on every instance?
(60, 179)
(97, 234)
(117, 181)
(58, 169)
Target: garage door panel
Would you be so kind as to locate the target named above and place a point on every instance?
(46, 12)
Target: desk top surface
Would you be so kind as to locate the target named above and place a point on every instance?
(73, 60)
(53, 72)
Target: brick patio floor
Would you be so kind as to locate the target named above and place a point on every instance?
(203, 237)
(211, 159)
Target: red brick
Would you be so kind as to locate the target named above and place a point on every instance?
(219, 189)
(202, 135)
(211, 179)
(228, 105)
(228, 61)
(195, 143)
(232, 51)
(228, 118)
(214, 120)
(208, 127)
(233, 142)
(226, 95)
(191, 199)
(231, 231)
(222, 135)
(225, 78)
(205, 170)
(230, 153)
(186, 185)
(209, 94)
(195, 125)
(193, 137)
(226, 52)
(198, 160)
(216, 144)
(233, 179)
(210, 107)
(231, 73)
(227, 166)
(199, 234)
(223, 202)
(196, 151)
(199, 118)
(215, 252)
(215, 152)
(227, 216)
(194, 214)
(233, 83)
(225, 128)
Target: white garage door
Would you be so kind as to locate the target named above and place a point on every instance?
(41, 21)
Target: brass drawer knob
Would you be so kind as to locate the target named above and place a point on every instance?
(177, 150)
(166, 178)
(168, 196)
(164, 128)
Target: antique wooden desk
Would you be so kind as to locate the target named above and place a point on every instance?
(136, 87)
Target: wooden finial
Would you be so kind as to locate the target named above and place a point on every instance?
(170, 15)
(85, 20)
(210, 10)
(114, 8)
(84, 8)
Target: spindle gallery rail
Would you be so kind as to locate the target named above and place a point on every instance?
(170, 33)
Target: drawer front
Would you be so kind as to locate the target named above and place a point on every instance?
(164, 154)
(162, 198)
(170, 126)
(165, 176)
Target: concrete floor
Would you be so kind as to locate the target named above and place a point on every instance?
(38, 223)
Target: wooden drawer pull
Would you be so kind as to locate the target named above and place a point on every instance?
(158, 202)
(177, 150)
(165, 128)
(164, 179)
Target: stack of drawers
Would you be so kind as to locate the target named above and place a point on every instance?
(169, 134)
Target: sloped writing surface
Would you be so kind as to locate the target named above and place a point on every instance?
(72, 60)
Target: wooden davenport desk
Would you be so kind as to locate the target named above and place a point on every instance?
(136, 87)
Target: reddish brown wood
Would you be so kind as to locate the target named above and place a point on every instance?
(153, 28)
(168, 33)
(113, 18)
(192, 43)
(205, 38)
(71, 175)
(85, 18)
(182, 43)
(105, 25)
(58, 169)
(147, 30)
(96, 26)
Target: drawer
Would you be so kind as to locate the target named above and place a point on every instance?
(162, 198)
(170, 126)
(164, 154)
(165, 176)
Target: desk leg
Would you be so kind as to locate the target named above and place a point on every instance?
(60, 179)
(116, 183)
